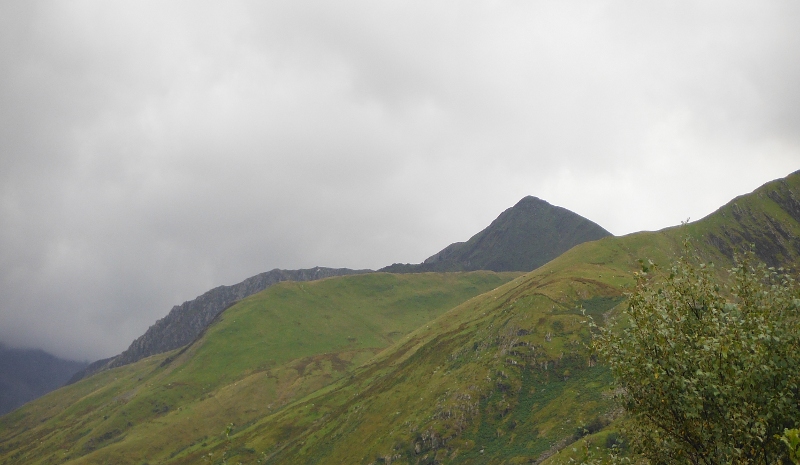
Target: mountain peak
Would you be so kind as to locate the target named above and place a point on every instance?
(522, 238)
(530, 199)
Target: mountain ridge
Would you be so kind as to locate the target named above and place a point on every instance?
(521, 238)
(185, 322)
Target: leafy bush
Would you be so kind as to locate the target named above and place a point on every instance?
(709, 373)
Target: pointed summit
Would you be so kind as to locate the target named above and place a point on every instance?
(522, 238)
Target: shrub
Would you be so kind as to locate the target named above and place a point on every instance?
(709, 373)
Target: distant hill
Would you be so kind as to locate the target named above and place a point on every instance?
(522, 238)
(187, 321)
(27, 374)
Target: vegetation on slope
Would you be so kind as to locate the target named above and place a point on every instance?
(262, 353)
(708, 373)
(187, 321)
(505, 377)
(506, 373)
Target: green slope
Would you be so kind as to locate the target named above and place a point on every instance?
(264, 352)
(505, 377)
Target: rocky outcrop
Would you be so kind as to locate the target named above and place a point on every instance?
(768, 220)
(187, 321)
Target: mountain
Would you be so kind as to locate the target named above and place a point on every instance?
(187, 321)
(470, 368)
(27, 374)
(522, 238)
(506, 377)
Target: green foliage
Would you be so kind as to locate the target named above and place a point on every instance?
(709, 373)
(791, 437)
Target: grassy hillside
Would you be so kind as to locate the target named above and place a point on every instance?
(506, 377)
(375, 369)
(268, 350)
(506, 373)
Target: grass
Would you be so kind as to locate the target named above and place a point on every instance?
(506, 373)
(288, 341)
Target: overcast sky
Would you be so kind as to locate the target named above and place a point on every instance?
(150, 151)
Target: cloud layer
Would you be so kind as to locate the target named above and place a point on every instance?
(150, 151)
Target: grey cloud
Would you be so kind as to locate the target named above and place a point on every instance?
(150, 151)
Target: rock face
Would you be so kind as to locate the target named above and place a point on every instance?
(772, 234)
(187, 321)
(522, 238)
(28, 374)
